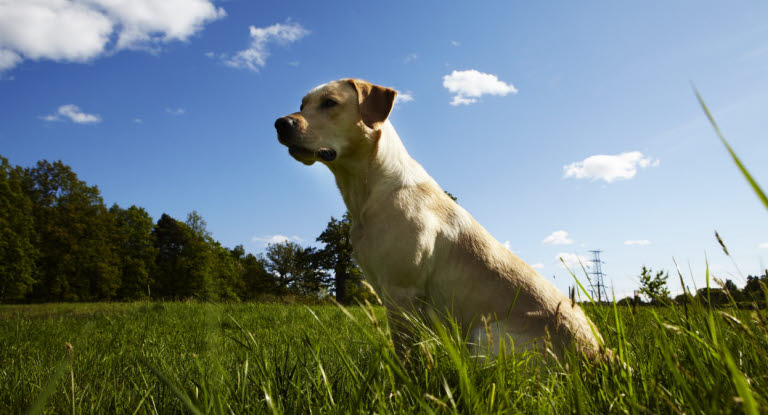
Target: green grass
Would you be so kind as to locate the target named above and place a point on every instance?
(240, 358)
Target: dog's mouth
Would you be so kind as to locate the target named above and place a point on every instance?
(308, 156)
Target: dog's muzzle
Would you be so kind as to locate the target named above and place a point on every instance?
(286, 129)
(286, 135)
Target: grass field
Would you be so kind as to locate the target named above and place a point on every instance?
(240, 358)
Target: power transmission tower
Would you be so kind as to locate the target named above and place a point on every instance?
(598, 278)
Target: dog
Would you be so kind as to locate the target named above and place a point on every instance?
(416, 246)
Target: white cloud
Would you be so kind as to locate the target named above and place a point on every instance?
(763, 245)
(507, 245)
(609, 168)
(572, 261)
(641, 242)
(175, 111)
(460, 100)
(411, 57)
(455, 43)
(276, 239)
(138, 121)
(145, 23)
(8, 59)
(255, 56)
(470, 85)
(72, 112)
(78, 31)
(537, 266)
(557, 238)
(403, 97)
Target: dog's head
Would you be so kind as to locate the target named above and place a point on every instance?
(337, 121)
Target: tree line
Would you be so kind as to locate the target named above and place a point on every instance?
(655, 290)
(60, 242)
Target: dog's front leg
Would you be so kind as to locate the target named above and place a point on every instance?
(405, 315)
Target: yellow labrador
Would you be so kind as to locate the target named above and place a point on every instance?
(414, 244)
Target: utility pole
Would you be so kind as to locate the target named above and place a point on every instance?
(598, 278)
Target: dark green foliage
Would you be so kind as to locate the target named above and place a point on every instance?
(76, 261)
(256, 279)
(60, 243)
(17, 235)
(336, 256)
(185, 260)
(133, 246)
(753, 290)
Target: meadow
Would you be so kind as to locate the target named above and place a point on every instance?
(192, 357)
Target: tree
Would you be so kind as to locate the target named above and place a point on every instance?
(712, 296)
(256, 279)
(198, 225)
(654, 287)
(337, 254)
(76, 261)
(296, 269)
(227, 273)
(17, 234)
(732, 289)
(133, 245)
(753, 289)
(184, 262)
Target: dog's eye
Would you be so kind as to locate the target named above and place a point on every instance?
(328, 103)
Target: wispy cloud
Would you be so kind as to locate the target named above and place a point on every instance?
(175, 111)
(8, 59)
(455, 43)
(403, 97)
(609, 168)
(572, 261)
(73, 113)
(255, 56)
(138, 121)
(641, 242)
(79, 31)
(537, 266)
(276, 239)
(411, 57)
(763, 245)
(557, 238)
(508, 245)
(469, 86)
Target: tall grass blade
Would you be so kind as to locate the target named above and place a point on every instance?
(179, 394)
(42, 399)
(755, 187)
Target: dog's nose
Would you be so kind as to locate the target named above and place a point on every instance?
(285, 126)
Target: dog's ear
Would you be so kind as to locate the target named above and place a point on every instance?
(375, 102)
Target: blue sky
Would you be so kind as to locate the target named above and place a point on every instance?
(170, 104)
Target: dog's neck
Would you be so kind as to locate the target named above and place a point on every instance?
(389, 168)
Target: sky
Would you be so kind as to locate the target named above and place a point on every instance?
(562, 127)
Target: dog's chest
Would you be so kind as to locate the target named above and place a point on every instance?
(392, 255)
